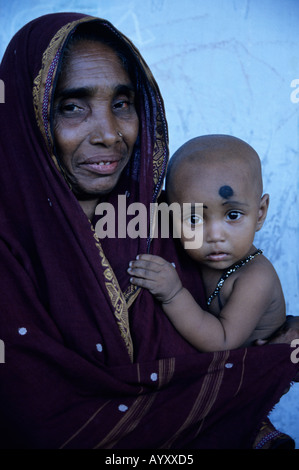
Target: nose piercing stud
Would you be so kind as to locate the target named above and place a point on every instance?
(120, 134)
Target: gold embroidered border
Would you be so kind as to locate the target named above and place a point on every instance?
(121, 302)
(131, 294)
(42, 117)
(39, 84)
(159, 150)
(116, 297)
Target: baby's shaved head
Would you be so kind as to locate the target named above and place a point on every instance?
(215, 151)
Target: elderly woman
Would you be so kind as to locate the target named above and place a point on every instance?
(90, 360)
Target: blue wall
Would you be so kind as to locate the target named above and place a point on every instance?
(223, 66)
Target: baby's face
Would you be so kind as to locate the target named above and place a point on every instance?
(229, 215)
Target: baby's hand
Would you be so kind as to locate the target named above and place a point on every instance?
(156, 275)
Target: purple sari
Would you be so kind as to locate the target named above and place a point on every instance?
(90, 361)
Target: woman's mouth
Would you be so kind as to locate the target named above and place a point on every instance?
(103, 167)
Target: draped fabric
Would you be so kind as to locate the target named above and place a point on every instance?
(90, 361)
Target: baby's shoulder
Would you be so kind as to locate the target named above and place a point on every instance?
(259, 271)
(259, 265)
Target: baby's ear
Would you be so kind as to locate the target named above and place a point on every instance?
(263, 209)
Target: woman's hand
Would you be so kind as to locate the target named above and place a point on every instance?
(286, 334)
(157, 275)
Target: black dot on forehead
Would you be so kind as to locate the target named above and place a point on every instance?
(226, 192)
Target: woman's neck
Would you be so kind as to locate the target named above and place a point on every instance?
(88, 206)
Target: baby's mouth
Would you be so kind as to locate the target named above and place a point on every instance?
(217, 256)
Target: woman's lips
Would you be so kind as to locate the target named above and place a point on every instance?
(101, 166)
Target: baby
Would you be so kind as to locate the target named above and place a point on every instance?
(245, 301)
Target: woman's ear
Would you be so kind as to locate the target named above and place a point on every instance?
(263, 209)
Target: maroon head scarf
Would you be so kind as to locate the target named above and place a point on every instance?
(90, 361)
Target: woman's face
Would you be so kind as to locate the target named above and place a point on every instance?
(95, 120)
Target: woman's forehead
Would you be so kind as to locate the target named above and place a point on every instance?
(92, 65)
(87, 55)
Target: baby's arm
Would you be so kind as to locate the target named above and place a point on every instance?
(250, 297)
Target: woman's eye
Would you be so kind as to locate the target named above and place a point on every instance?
(234, 215)
(70, 108)
(123, 104)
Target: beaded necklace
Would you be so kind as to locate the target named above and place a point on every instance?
(230, 271)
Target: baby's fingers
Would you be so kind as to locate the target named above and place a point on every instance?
(151, 258)
(146, 265)
(141, 271)
(141, 282)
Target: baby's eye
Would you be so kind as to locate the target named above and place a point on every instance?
(234, 215)
(194, 220)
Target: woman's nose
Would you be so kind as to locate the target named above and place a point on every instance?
(103, 128)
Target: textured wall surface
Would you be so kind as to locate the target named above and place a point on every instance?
(223, 66)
